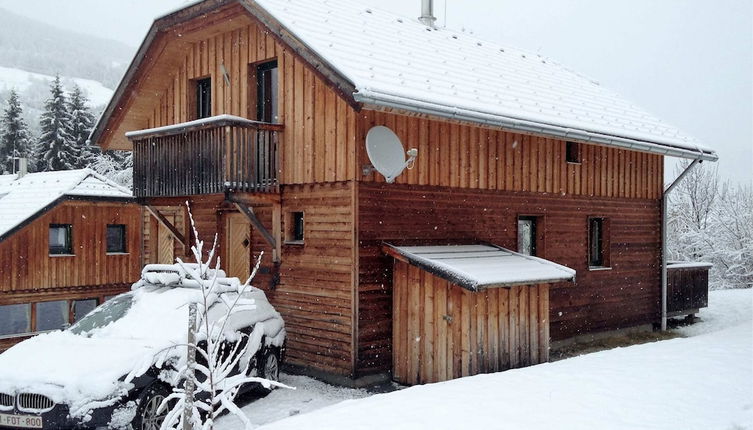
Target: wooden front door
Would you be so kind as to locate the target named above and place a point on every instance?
(238, 246)
(165, 242)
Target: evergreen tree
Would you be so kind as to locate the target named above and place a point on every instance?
(56, 149)
(81, 124)
(14, 134)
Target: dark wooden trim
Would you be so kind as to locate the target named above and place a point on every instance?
(165, 223)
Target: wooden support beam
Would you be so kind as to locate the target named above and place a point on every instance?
(167, 224)
(277, 231)
(249, 213)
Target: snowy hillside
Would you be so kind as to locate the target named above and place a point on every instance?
(24, 82)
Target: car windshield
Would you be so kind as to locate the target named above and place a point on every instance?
(110, 311)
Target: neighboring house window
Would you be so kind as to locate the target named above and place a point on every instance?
(266, 92)
(294, 228)
(15, 319)
(598, 242)
(61, 242)
(79, 308)
(527, 235)
(51, 315)
(116, 238)
(203, 98)
(572, 152)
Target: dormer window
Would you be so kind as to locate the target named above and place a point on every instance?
(266, 92)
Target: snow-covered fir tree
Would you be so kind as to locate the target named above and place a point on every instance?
(81, 124)
(14, 134)
(116, 166)
(56, 148)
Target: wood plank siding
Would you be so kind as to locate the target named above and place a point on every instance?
(25, 263)
(457, 155)
(442, 331)
(319, 144)
(410, 214)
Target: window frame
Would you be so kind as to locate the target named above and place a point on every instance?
(260, 88)
(536, 232)
(124, 237)
(63, 252)
(573, 152)
(294, 236)
(196, 97)
(29, 310)
(604, 243)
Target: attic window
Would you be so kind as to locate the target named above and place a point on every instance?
(572, 152)
(61, 239)
(203, 100)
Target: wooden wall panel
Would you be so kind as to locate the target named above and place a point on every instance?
(459, 155)
(442, 331)
(626, 295)
(26, 265)
(318, 144)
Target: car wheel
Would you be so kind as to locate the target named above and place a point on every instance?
(148, 416)
(271, 367)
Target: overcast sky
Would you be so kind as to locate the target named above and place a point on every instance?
(690, 62)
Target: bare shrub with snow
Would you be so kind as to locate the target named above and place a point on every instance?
(713, 222)
(220, 354)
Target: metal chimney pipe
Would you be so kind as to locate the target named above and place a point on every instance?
(23, 167)
(427, 17)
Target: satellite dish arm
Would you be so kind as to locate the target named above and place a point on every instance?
(412, 154)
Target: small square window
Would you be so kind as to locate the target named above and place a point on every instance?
(116, 238)
(572, 152)
(61, 239)
(82, 307)
(294, 228)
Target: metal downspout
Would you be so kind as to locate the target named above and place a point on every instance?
(665, 198)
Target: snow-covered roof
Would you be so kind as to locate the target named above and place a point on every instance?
(25, 197)
(398, 62)
(477, 267)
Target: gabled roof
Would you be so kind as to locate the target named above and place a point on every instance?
(23, 199)
(478, 267)
(379, 59)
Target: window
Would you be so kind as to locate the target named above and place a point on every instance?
(79, 308)
(598, 242)
(294, 227)
(51, 315)
(203, 98)
(15, 319)
(116, 238)
(61, 242)
(266, 92)
(572, 152)
(527, 235)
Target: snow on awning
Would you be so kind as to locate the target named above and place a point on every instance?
(478, 267)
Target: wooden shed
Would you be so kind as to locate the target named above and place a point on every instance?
(466, 309)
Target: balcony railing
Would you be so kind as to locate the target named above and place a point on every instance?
(687, 287)
(208, 156)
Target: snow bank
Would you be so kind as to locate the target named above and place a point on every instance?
(702, 382)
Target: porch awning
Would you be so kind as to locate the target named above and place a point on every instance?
(478, 267)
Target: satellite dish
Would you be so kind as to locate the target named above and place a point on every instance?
(386, 153)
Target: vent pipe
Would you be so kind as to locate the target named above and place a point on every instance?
(23, 167)
(427, 17)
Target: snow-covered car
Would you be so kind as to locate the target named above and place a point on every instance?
(114, 367)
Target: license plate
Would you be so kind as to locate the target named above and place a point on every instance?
(21, 421)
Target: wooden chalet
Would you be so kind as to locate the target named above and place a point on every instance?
(256, 113)
(68, 241)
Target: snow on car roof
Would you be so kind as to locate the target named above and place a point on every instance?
(26, 196)
(399, 61)
(477, 267)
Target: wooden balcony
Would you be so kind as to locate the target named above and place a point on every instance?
(208, 156)
(687, 287)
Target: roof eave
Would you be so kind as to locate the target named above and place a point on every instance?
(466, 115)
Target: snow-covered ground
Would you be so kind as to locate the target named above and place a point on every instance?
(21, 80)
(704, 381)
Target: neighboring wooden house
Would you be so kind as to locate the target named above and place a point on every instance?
(68, 241)
(256, 112)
